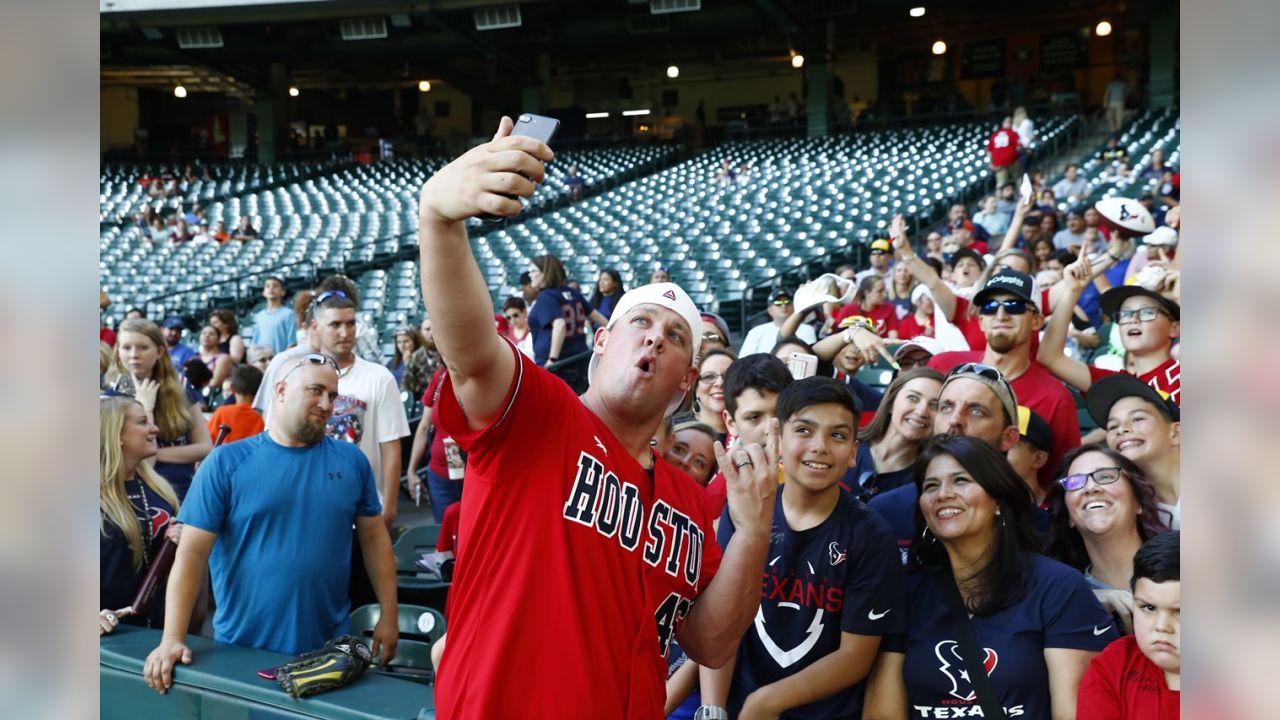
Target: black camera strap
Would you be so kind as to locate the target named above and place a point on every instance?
(973, 653)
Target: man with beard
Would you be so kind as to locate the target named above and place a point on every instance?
(1010, 317)
(271, 516)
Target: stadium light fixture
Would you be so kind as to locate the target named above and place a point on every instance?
(293, 92)
(917, 12)
(797, 61)
(597, 115)
(1103, 29)
(673, 72)
(632, 113)
(424, 86)
(939, 48)
(179, 92)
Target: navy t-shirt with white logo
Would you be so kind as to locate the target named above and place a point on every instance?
(840, 576)
(1058, 610)
(554, 304)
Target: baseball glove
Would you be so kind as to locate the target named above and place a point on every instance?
(340, 661)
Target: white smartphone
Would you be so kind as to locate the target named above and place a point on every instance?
(1025, 189)
(802, 365)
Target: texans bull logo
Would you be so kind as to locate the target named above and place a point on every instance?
(948, 653)
(837, 554)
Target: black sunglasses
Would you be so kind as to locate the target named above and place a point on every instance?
(312, 359)
(1011, 306)
(1102, 476)
(971, 368)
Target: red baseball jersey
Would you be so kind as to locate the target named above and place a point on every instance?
(1166, 377)
(1003, 146)
(884, 316)
(575, 566)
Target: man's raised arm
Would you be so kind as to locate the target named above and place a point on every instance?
(487, 179)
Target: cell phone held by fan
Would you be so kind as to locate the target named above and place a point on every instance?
(802, 365)
(539, 128)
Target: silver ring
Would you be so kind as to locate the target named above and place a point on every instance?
(111, 617)
(739, 466)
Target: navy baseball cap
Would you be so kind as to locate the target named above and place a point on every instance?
(1008, 281)
(1034, 429)
(1112, 299)
(779, 293)
(1109, 390)
(173, 322)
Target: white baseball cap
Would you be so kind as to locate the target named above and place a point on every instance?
(1163, 236)
(922, 342)
(1126, 213)
(667, 295)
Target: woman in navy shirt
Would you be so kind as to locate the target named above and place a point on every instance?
(608, 290)
(136, 507)
(889, 444)
(1035, 619)
(557, 319)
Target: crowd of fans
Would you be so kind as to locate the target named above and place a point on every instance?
(946, 544)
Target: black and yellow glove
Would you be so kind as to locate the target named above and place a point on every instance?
(340, 661)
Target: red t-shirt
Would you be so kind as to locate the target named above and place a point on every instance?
(436, 459)
(1123, 684)
(1003, 146)
(1039, 390)
(909, 327)
(1166, 377)
(448, 539)
(972, 328)
(243, 419)
(574, 566)
(885, 316)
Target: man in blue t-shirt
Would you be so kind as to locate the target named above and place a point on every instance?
(179, 354)
(280, 507)
(274, 325)
(831, 584)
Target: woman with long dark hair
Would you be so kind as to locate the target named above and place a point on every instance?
(975, 580)
(408, 340)
(1102, 509)
(557, 319)
(229, 340)
(708, 393)
(608, 291)
(889, 444)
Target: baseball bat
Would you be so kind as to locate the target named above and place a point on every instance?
(163, 562)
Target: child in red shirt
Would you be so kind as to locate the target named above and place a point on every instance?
(1140, 677)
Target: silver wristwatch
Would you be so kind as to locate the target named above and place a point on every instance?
(711, 712)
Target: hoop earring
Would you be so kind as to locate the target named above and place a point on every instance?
(928, 536)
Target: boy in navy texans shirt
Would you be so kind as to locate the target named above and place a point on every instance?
(831, 582)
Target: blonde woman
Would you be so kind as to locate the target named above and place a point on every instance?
(136, 508)
(183, 437)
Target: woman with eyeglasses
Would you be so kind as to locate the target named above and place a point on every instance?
(889, 444)
(975, 580)
(1103, 509)
(136, 510)
(183, 437)
(708, 403)
(408, 340)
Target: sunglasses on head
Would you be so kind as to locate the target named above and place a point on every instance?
(971, 368)
(1102, 476)
(1012, 306)
(312, 359)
